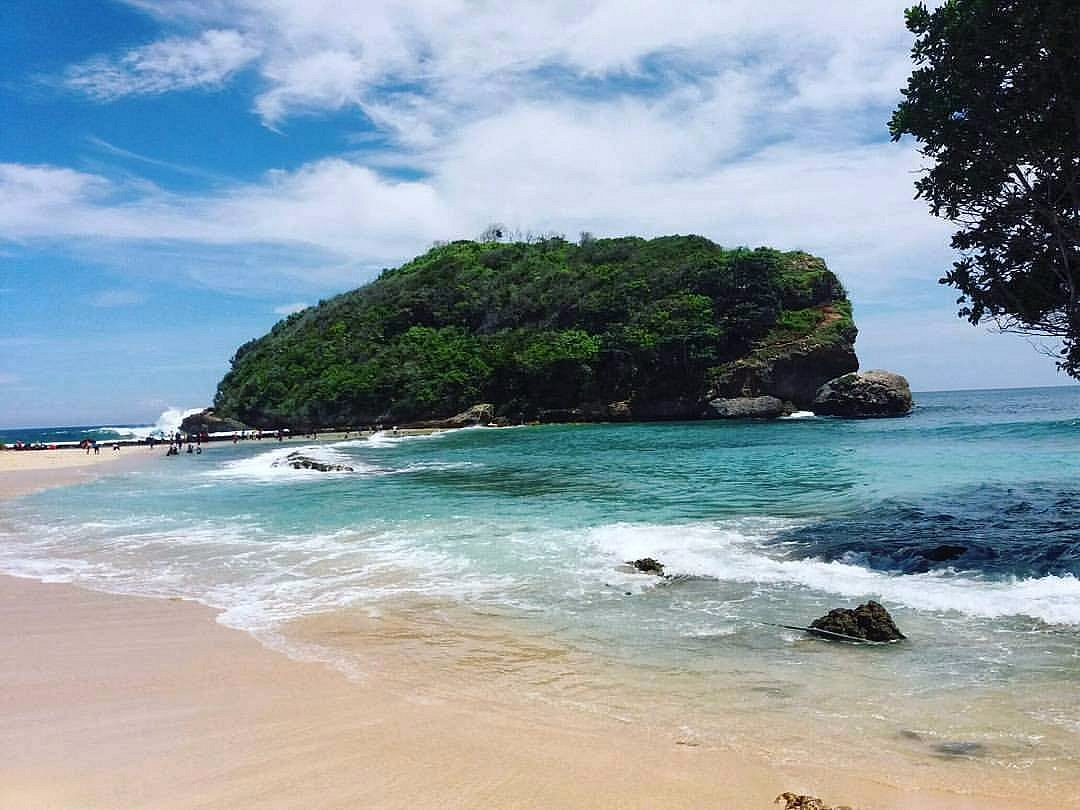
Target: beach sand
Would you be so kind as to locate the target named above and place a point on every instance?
(23, 471)
(129, 702)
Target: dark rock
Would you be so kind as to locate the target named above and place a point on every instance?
(870, 622)
(663, 409)
(960, 748)
(943, 553)
(298, 461)
(864, 394)
(749, 407)
(647, 565)
(548, 415)
(206, 421)
(798, 801)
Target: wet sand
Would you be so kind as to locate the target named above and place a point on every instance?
(126, 702)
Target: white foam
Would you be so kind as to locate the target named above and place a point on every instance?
(166, 424)
(386, 438)
(731, 552)
(269, 466)
(800, 415)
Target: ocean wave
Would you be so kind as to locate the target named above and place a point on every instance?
(269, 466)
(386, 438)
(167, 424)
(736, 552)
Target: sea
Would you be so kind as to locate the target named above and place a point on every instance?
(498, 556)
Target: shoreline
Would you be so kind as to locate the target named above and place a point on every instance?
(128, 701)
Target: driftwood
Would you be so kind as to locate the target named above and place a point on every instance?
(829, 634)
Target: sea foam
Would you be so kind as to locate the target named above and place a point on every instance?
(734, 552)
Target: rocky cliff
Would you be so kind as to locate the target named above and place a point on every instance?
(610, 329)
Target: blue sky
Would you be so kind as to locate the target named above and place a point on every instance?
(176, 175)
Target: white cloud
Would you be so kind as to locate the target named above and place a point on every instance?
(742, 121)
(206, 61)
(291, 309)
(471, 58)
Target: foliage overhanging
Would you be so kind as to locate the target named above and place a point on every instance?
(994, 101)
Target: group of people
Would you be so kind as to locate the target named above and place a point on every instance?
(257, 435)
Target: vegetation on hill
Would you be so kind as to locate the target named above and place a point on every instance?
(532, 327)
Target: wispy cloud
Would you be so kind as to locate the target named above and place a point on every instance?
(749, 123)
(206, 62)
(290, 309)
(127, 154)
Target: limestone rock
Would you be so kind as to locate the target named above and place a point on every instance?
(480, 414)
(298, 461)
(764, 407)
(206, 421)
(647, 565)
(863, 394)
(870, 622)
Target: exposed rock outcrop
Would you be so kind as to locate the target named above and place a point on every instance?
(790, 366)
(206, 421)
(480, 414)
(647, 565)
(763, 407)
(794, 801)
(298, 461)
(870, 622)
(864, 394)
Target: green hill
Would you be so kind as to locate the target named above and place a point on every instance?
(605, 329)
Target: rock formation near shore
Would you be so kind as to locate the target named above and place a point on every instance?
(299, 461)
(864, 394)
(604, 330)
(207, 421)
(870, 622)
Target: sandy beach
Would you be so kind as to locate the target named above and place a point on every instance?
(23, 471)
(124, 702)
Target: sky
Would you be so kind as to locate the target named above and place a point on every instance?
(177, 175)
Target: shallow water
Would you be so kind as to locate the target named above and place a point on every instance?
(495, 554)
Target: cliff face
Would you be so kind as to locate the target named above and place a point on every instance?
(610, 329)
(792, 367)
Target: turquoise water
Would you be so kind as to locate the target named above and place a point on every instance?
(772, 522)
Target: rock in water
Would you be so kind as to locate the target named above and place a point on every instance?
(863, 394)
(298, 461)
(749, 407)
(871, 622)
(647, 565)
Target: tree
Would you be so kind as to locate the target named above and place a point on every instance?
(994, 101)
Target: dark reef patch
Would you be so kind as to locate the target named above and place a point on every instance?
(1029, 531)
